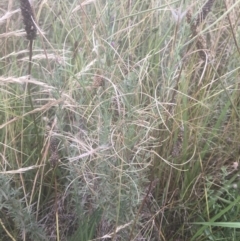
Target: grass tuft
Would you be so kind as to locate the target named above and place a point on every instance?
(120, 120)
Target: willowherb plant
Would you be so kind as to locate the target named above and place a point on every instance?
(28, 19)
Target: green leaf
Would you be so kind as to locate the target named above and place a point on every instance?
(220, 224)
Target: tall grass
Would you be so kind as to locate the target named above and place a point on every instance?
(130, 128)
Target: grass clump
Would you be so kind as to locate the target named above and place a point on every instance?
(119, 121)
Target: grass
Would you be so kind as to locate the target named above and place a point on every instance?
(127, 128)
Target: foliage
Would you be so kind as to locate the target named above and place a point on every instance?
(125, 127)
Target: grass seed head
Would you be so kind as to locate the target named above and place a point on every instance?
(205, 10)
(54, 151)
(54, 159)
(53, 144)
(28, 18)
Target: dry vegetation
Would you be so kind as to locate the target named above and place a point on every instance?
(119, 120)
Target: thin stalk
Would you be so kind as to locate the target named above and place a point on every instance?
(29, 91)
